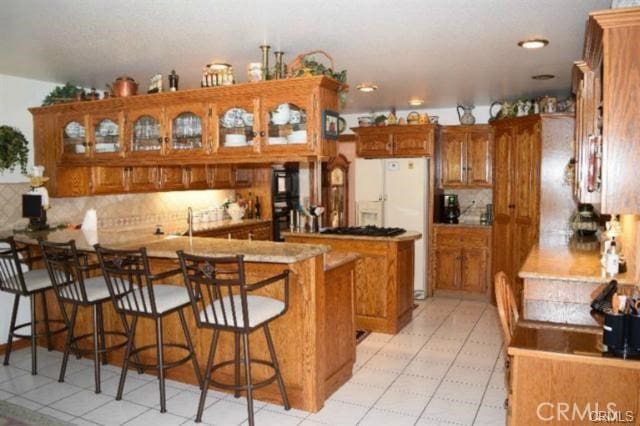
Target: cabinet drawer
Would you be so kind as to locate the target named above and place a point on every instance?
(462, 237)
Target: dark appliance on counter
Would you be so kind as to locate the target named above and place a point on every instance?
(32, 209)
(369, 231)
(447, 208)
(285, 195)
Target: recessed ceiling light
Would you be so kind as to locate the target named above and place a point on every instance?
(535, 43)
(543, 77)
(416, 101)
(367, 87)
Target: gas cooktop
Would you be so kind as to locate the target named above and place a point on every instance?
(370, 231)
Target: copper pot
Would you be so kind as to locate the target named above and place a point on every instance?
(124, 86)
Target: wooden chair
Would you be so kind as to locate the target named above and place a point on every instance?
(508, 313)
(222, 301)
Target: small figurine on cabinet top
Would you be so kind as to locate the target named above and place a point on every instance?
(155, 84)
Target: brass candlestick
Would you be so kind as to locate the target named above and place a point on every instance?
(265, 61)
(279, 69)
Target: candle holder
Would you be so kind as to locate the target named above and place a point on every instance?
(265, 61)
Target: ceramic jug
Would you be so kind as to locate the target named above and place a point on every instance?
(466, 117)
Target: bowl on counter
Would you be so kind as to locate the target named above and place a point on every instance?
(365, 121)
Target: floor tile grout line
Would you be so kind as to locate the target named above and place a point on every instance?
(453, 362)
(486, 387)
(405, 367)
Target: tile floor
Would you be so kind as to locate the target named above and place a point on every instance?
(445, 368)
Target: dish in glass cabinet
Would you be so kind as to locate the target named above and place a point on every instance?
(74, 130)
(248, 119)
(234, 117)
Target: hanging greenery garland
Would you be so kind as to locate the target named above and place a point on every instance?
(14, 149)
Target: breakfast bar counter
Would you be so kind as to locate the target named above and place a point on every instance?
(314, 340)
(384, 279)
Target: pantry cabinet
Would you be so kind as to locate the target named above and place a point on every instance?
(182, 132)
(395, 141)
(465, 156)
(606, 85)
(462, 255)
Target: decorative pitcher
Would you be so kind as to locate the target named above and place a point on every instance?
(466, 118)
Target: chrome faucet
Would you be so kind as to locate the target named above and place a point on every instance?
(190, 221)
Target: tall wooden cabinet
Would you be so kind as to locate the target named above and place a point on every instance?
(516, 193)
(465, 154)
(607, 88)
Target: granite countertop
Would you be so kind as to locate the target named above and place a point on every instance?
(166, 246)
(334, 259)
(180, 226)
(559, 260)
(407, 236)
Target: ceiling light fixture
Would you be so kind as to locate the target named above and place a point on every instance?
(535, 43)
(416, 101)
(367, 87)
(543, 76)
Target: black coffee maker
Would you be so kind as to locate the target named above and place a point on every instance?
(451, 208)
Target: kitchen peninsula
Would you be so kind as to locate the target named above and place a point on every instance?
(315, 339)
(384, 275)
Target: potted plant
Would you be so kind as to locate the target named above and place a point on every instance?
(14, 149)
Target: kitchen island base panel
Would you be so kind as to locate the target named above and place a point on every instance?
(384, 277)
(314, 340)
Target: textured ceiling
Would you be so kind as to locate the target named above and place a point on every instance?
(445, 51)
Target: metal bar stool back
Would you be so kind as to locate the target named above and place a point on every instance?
(25, 283)
(70, 271)
(223, 301)
(134, 292)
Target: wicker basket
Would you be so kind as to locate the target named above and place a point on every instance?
(296, 65)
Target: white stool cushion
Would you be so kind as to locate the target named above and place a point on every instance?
(167, 297)
(259, 310)
(36, 279)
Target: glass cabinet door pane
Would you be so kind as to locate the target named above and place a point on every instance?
(73, 138)
(186, 132)
(287, 125)
(146, 134)
(107, 134)
(236, 128)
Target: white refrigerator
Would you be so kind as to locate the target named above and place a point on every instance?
(395, 193)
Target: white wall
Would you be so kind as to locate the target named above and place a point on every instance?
(16, 95)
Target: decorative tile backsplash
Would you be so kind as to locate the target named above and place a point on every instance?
(113, 210)
(471, 212)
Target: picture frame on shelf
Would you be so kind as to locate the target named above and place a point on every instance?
(330, 124)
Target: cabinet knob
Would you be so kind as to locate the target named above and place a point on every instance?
(512, 206)
(166, 139)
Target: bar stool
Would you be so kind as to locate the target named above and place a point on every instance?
(221, 301)
(130, 284)
(69, 274)
(29, 284)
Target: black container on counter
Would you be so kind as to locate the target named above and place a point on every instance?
(621, 334)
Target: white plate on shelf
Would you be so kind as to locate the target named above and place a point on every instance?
(299, 136)
(106, 147)
(235, 140)
(279, 140)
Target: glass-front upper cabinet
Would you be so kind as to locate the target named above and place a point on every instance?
(73, 131)
(287, 125)
(187, 130)
(106, 134)
(237, 124)
(144, 133)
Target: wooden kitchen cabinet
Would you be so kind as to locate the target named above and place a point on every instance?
(395, 141)
(607, 106)
(258, 231)
(242, 176)
(185, 130)
(221, 176)
(465, 156)
(462, 256)
(109, 180)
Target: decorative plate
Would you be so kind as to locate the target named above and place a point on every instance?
(342, 125)
(74, 130)
(234, 117)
